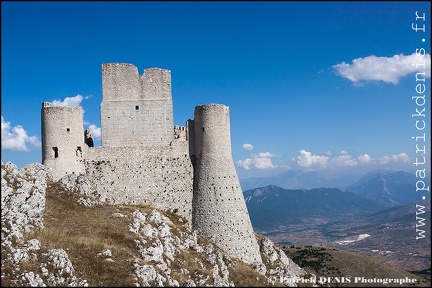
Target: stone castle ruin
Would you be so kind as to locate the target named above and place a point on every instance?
(145, 159)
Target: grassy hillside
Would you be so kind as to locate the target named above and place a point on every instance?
(337, 265)
(84, 232)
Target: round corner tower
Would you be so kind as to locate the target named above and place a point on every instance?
(219, 210)
(62, 139)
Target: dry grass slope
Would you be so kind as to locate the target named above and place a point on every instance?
(84, 232)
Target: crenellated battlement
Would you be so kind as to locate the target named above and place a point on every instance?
(156, 84)
(180, 132)
(121, 81)
(146, 159)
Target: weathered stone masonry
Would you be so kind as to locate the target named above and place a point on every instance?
(145, 159)
(218, 207)
(63, 144)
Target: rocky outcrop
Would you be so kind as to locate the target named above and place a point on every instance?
(80, 184)
(22, 200)
(22, 208)
(283, 270)
(167, 242)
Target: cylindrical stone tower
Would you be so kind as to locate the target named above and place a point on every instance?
(219, 210)
(62, 139)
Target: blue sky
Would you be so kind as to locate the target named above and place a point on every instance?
(310, 85)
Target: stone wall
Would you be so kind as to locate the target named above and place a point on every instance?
(136, 122)
(157, 176)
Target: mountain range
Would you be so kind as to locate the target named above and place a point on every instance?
(380, 213)
(390, 188)
(272, 206)
(297, 179)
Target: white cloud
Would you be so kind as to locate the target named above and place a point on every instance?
(266, 155)
(70, 101)
(387, 69)
(396, 158)
(248, 146)
(263, 163)
(96, 131)
(245, 164)
(401, 157)
(306, 159)
(16, 138)
(344, 160)
(261, 160)
(384, 160)
(364, 159)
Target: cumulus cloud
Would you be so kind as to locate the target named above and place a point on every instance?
(263, 163)
(266, 155)
(344, 160)
(248, 146)
(399, 158)
(70, 101)
(96, 131)
(384, 160)
(261, 160)
(402, 157)
(306, 159)
(16, 138)
(364, 159)
(387, 69)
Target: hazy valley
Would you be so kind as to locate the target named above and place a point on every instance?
(374, 216)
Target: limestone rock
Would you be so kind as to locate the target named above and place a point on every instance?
(23, 205)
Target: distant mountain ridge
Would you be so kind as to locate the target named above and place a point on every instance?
(391, 188)
(274, 206)
(297, 179)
